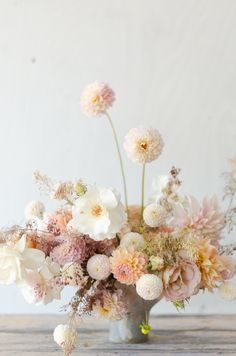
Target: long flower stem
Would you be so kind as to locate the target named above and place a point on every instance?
(143, 188)
(121, 162)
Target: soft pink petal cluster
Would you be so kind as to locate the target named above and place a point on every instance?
(111, 305)
(71, 250)
(206, 218)
(97, 98)
(181, 280)
(128, 264)
(143, 145)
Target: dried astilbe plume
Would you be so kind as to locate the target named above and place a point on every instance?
(56, 190)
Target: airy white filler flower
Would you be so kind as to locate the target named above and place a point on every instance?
(34, 209)
(98, 213)
(154, 215)
(98, 267)
(149, 287)
(132, 239)
(143, 145)
(16, 260)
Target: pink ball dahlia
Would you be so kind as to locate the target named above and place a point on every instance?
(143, 144)
(127, 265)
(96, 98)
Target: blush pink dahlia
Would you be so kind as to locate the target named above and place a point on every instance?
(206, 218)
(96, 98)
(127, 265)
(143, 144)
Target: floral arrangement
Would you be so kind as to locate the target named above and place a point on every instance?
(169, 247)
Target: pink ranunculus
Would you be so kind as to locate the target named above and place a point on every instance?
(181, 281)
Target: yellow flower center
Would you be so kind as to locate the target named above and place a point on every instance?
(143, 145)
(96, 210)
(95, 100)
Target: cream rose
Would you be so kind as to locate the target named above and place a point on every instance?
(16, 260)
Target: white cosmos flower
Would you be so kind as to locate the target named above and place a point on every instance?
(38, 287)
(16, 260)
(98, 213)
(133, 239)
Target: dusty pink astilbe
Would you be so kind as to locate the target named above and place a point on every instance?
(71, 250)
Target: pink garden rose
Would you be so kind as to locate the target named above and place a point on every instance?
(181, 281)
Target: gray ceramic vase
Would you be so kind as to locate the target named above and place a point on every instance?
(127, 330)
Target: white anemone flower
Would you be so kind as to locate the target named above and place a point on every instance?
(99, 213)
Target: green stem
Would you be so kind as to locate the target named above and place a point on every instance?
(143, 186)
(121, 162)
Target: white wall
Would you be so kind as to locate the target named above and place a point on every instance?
(172, 65)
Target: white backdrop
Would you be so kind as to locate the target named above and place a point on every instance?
(172, 65)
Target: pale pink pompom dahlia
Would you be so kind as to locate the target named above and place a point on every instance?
(127, 265)
(96, 98)
(143, 144)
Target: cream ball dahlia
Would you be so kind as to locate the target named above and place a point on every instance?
(143, 144)
(34, 209)
(63, 333)
(149, 287)
(154, 215)
(96, 98)
(98, 267)
(133, 239)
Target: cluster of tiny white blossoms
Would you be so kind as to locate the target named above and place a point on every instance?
(116, 254)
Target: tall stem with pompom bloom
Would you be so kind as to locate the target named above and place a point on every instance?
(143, 191)
(120, 160)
